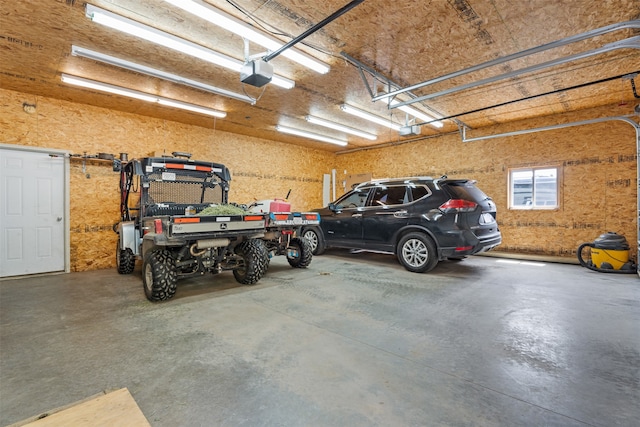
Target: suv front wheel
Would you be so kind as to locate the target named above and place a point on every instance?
(316, 241)
(417, 252)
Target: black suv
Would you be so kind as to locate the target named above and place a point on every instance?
(420, 219)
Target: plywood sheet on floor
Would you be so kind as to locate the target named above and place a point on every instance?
(117, 408)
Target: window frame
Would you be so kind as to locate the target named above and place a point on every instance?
(533, 206)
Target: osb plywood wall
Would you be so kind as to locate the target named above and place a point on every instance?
(597, 166)
(597, 163)
(260, 169)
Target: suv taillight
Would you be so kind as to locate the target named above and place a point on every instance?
(458, 205)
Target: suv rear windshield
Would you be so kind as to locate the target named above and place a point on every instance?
(465, 190)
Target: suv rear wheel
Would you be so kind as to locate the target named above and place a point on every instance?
(417, 252)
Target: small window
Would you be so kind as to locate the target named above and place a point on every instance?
(533, 188)
(418, 192)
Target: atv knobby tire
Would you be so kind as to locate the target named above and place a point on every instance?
(254, 261)
(125, 260)
(159, 275)
(299, 253)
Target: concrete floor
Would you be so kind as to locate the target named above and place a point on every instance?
(352, 340)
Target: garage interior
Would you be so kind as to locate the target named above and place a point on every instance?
(524, 337)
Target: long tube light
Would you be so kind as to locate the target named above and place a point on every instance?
(143, 69)
(343, 128)
(418, 114)
(154, 35)
(118, 90)
(236, 26)
(305, 134)
(368, 116)
(105, 87)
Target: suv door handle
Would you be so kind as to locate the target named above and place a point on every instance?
(356, 215)
(399, 214)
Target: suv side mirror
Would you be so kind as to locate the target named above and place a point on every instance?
(332, 207)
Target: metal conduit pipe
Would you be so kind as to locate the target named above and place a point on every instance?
(630, 43)
(626, 119)
(526, 98)
(558, 43)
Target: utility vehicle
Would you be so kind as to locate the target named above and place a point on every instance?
(161, 199)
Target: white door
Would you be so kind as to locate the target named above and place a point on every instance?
(32, 208)
(326, 189)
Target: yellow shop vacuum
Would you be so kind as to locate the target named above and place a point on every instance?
(609, 254)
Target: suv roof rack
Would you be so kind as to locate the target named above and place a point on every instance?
(400, 180)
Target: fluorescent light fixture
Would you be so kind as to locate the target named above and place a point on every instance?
(368, 116)
(244, 30)
(283, 82)
(154, 35)
(142, 69)
(106, 87)
(311, 135)
(418, 114)
(190, 107)
(343, 128)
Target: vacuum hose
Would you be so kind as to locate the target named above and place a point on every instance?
(591, 266)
